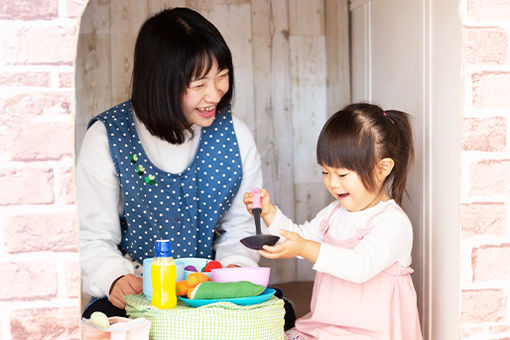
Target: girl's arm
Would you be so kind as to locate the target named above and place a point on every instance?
(293, 246)
(309, 230)
(298, 240)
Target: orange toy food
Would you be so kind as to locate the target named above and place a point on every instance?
(194, 279)
(181, 288)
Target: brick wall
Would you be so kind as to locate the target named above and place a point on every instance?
(40, 273)
(39, 279)
(485, 171)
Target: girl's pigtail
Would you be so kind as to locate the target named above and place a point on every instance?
(404, 155)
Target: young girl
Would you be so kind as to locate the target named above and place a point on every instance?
(361, 243)
(167, 164)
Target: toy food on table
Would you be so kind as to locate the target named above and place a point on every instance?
(212, 265)
(224, 290)
(182, 288)
(191, 268)
(118, 327)
(99, 319)
(195, 278)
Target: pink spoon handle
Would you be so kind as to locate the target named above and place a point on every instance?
(256, 197)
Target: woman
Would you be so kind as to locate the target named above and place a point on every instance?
(167, 164)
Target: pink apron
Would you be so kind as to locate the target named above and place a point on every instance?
(382, 308)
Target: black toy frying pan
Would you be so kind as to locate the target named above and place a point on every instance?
(256, 242)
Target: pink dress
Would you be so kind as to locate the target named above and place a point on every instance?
(382, 308)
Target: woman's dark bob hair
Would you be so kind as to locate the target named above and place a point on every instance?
(174, 47)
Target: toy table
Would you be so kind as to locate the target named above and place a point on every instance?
(220, 320)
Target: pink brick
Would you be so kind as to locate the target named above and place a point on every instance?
(491, 89)
(41, 232)
(467, 332)
(490, 177)
(28, 9)
(485, 305)
(46, 324)
(37, 103)
(40, 43)
(72, 279)
(28, 281)
(26, 186)
(491, 262)
(40, 141)
(489, 9)
(500, 329)
(483, 219)
(39, 79)
(484, 134)
(66, 79)
(74, 8)
(67, 186)
(485, 45)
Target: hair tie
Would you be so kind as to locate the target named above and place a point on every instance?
(391, 120)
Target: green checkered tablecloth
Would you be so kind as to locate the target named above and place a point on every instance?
(221, 320)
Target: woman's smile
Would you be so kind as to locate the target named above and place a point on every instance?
(207, 111)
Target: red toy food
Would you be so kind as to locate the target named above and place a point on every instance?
(212, 265)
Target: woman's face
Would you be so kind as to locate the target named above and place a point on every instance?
(203, 95)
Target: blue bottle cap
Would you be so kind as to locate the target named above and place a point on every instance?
(163, 248)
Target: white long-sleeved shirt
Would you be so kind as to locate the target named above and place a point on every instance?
(100, 202)
(390, 241)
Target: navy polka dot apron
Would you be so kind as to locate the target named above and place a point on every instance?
(182, 207)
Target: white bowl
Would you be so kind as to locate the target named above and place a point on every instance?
(196, 262)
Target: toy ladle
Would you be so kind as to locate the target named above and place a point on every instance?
(256, 242)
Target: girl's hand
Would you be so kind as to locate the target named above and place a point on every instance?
(127, 285)
(268, 209)
(293, 246)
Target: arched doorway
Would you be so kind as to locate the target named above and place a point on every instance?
(289, 67)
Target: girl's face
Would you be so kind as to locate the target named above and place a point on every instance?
(347, 188)
(203, 95)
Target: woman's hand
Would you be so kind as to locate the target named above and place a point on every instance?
(293, 246)
(268, 209)
(127, 285)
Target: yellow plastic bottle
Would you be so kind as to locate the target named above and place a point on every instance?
(163, 277)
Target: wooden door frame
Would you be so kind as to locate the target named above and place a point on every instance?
(443, 32)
